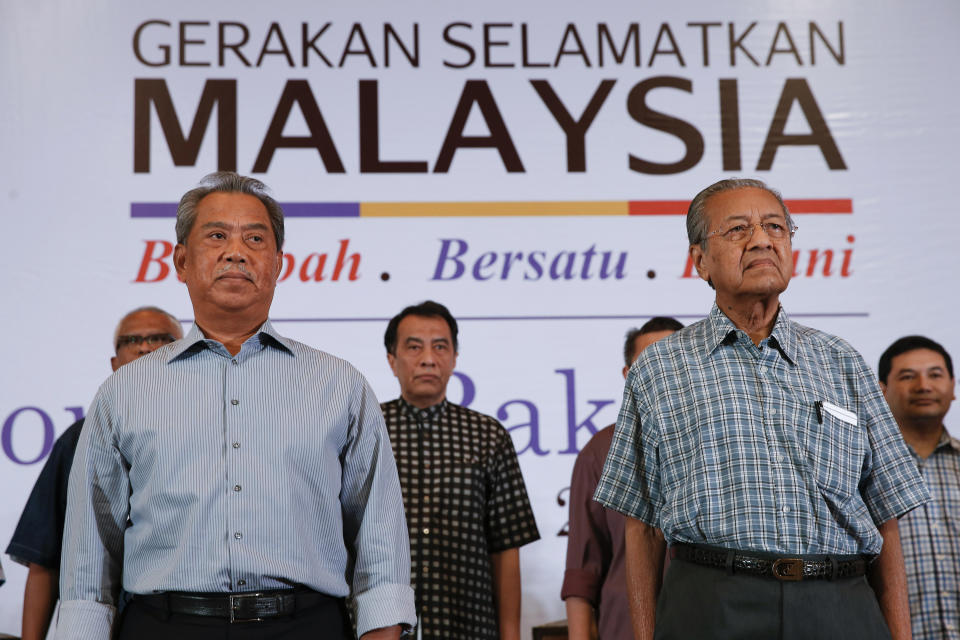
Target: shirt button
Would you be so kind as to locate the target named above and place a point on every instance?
(234, 402)
(426, 531)
(241, 582)
(772, 412)
(235, 362)
(236, 487)
(762, 369)
(238, 535)
(236, 445)
(779, 457)
(786, 509)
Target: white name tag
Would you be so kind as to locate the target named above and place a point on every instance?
(840, 413)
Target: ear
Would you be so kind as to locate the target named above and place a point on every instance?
(626, 370)
(883, 387)
(697, 255)
(179, 261)
(279, 264)
(392, 361)
(114, 363)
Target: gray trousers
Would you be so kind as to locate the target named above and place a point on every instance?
(698, 602)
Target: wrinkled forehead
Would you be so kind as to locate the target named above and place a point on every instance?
(745, 203)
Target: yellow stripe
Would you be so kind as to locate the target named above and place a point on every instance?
(469, 209)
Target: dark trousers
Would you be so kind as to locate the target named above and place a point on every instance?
(703, 602)
(140, 621)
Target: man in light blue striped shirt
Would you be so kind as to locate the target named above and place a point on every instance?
(763, 453)
(234, 476)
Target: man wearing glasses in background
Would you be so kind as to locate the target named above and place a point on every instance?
(37, 539)
(762, 452)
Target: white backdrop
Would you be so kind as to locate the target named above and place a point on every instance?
(849, 109)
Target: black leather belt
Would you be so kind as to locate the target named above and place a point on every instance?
(788, 569)
(236, 607)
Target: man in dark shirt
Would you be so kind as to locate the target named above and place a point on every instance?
(465, 500)
(39, 534)
(595, 582)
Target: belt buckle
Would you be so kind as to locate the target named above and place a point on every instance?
(236, 599)
(788, 569)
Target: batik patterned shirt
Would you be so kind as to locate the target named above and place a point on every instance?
(787, 446)
(465, 499)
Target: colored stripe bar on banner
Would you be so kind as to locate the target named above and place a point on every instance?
(153, 209)
(321, 209)
(797, 205)
(290, 209)
(495, 209)
(469, 209)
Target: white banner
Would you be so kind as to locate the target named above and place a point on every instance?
(525, 164)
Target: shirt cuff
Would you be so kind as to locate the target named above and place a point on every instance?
(580, 583)
(84, 620)
(383, 606)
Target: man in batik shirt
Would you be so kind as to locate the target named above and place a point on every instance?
(465, 500)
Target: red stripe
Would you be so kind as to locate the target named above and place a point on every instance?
(658, 207)
(797, 205)
(820, 205)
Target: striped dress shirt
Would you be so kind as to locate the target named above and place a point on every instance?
(205, 472)
(786, 447)
(930, 536)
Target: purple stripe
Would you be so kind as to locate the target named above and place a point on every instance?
(153, 209)
(321, 209)
(290, 209)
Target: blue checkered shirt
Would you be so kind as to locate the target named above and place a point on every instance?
(719, 442)
(930, 536)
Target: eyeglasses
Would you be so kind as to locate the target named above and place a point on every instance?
(743, 232)
(153, 340)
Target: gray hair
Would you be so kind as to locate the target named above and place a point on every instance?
(174, 323)
(696, 215)
(227, 182)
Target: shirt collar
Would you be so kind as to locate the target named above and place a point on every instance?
(430, 414)
(946, 440)
(721, 331)
(195, 341)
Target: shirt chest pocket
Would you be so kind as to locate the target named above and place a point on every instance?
(836, 449)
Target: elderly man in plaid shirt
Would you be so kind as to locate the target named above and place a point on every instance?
(762, 452)
(916, 374)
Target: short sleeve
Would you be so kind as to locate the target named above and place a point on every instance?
(589, 543)
(891, 485)
(630, 483)
(509, 518)
(39, 533)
